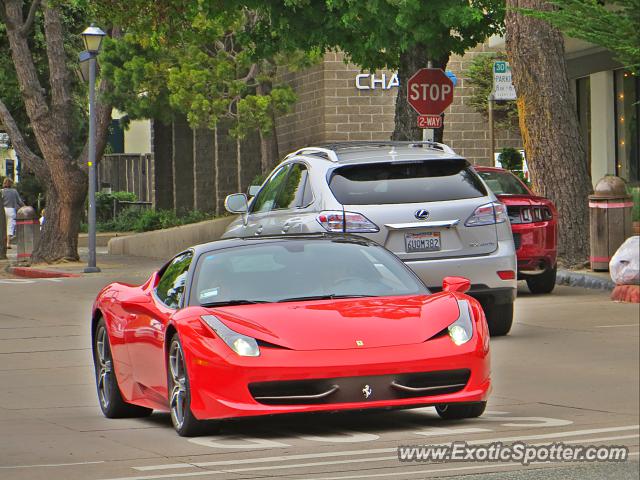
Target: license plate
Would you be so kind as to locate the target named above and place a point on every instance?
(422, 242)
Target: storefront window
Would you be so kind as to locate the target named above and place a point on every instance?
(627, 110)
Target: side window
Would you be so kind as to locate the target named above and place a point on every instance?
(170, 289)
(266, 198)
(293, 191)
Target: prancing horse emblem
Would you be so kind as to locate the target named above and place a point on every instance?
(367, 391)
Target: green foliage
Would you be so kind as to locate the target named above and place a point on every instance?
(74, 18)
(511, 159)
(198, 62)
(480, 75)
(613, 24)
(104, 203)
(30, 189)
(374, 33)
(144, 220)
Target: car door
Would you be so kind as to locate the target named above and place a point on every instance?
(262, 205)
(147, 325)
(293, 203)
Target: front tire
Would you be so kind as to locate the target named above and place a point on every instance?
(499, 318)
(185, 424)
(111, 402)
(544, 282)
(453, 411)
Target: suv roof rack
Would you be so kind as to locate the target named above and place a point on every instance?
(329, 150)
(330, 154)
(390, 143)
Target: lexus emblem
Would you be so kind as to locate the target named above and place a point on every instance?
(366, 391)
(422, 214)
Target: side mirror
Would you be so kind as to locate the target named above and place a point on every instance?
(455, 284)
(253, 190)
(236, 203)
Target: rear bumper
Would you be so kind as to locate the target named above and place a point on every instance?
(480, 270)
(537, 247)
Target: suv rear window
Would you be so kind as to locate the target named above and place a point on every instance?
(405, 182)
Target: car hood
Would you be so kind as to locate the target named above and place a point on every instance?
(343, 323)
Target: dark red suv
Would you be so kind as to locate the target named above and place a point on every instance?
(534, 226)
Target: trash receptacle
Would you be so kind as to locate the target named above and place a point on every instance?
(28, 233)
(610, 220)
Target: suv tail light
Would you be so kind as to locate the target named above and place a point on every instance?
(347, 222)
(488, 214)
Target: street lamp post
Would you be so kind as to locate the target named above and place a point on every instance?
(92, 38)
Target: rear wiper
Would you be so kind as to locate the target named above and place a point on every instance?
(331, 296)
(228, 303)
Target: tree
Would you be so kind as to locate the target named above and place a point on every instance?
(549, 124)
(480, 77)
(403, 35)
(43, 42)
(613, 24)
(198, 65)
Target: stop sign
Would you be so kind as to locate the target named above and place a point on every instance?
(430, 91)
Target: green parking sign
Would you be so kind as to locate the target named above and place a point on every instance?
(500, 67)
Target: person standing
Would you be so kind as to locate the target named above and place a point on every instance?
(11, 201)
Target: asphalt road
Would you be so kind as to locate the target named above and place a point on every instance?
(567, 373)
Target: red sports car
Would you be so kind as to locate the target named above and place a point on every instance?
(534, 225)
(262, 326)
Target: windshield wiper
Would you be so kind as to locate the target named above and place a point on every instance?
(331, 296)
(228, 303)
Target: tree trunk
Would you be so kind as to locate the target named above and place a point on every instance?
(549, 125)
(49, 112)
(268, 141)
(406, 118)
(59, 239)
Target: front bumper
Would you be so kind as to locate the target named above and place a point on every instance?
(220, 385)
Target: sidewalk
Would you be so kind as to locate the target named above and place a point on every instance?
(115, 264)
(110, 265)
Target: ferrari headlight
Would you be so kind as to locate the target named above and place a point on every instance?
(241, 344)
(461, 330)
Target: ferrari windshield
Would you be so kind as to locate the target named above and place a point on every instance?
(300, 269)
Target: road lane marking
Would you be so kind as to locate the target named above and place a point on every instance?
(345, 453)
(436, 431)
(616, 326)
(51, 465)
(317, 464)
(247, 442)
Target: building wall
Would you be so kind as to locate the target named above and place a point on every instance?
(331, 108)
(137, 138)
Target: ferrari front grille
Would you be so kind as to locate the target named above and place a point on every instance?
(358, 389)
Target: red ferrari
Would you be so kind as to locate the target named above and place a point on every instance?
(270, 325)
(534, 225)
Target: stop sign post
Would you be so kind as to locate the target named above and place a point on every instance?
(429, 92)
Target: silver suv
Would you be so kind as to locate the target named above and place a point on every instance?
(420, 200)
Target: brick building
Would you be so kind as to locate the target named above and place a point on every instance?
(330, 107)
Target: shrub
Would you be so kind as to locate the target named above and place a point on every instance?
(136, 220)
(104, 203)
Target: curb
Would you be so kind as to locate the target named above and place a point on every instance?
(584, 280)
(28, 272)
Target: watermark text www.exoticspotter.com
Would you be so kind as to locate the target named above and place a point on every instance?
(514, 452)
